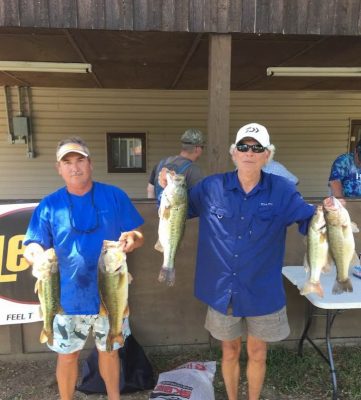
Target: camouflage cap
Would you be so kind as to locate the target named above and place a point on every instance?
(193, 136)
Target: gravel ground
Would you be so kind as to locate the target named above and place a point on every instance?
(35, 380)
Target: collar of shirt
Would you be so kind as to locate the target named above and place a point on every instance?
(232, 183)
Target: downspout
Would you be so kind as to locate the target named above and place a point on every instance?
(10, 133)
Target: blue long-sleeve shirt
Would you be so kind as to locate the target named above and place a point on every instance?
(241, 242)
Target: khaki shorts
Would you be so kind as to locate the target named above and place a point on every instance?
(269, 328)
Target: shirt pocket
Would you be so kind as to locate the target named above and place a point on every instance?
(222, 222)
(264, 223)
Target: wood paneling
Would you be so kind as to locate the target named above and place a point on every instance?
(328, 17)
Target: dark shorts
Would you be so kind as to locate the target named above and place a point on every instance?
(269, 328)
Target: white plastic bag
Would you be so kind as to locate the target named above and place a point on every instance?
(190, 381)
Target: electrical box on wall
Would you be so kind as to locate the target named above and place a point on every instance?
(20, 129)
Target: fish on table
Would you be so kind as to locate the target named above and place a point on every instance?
(47, 286)
(340, 231)
(172, 218)
(113, 288)
(317, 257)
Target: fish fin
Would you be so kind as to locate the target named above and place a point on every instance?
(167, 275)
(126, 312)
(340, 287)
(46, 337)
(330, 263)
(102, 310)
(305, 264)
(130, 278)
(36, 287)
(355, 260)
(354, 227)
(166, 213)
(312, 288)
(158, 246)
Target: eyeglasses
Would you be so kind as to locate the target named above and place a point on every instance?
(71, 217)
(256, 148)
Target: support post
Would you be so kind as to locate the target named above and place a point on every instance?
(219, 81)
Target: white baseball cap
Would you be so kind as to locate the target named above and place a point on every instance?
(255, 131)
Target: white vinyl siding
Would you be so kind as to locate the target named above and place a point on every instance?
(309, 129)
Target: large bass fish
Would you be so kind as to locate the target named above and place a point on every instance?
(113, 289)
(172, 218)
(317, 258)
(342, 244)
(45, 269)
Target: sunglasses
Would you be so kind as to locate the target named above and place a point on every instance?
(256, 148)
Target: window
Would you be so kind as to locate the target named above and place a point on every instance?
(126, 152)
(355, 134)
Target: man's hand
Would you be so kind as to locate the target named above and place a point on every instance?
(162, 177)
(131, 240)
(33, 251)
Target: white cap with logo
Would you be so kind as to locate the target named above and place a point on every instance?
(255, 131)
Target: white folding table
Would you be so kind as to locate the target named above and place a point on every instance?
(333, 304)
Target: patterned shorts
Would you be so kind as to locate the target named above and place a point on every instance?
(72, 331)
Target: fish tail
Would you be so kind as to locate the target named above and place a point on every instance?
(112, 339)
(312, 288)
(340, 287)
(167, 275)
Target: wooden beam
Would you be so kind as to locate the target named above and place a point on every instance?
(189, 55)
(75, 46)
(219, 82)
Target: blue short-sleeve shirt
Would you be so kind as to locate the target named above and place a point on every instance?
(241, 242)
(61, 220)
(345, 170)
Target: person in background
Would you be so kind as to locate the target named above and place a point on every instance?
(345, 176)
(192, 144)
(74, 221)
(276, 168)
(241, 244)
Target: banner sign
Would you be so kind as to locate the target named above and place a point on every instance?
(18, 302)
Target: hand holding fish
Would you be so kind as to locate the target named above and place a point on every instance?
(32, 252)
(162, 177)
(172, 218)
(131, 240)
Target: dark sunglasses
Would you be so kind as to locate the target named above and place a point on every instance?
(256, 148)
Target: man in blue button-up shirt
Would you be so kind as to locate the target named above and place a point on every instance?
(244, 216)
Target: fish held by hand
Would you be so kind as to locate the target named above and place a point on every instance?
(172, 219)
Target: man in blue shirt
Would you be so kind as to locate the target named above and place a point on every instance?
(345, 176)
(243, 218)
(74, 221)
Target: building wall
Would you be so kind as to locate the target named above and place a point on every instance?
(309, 130)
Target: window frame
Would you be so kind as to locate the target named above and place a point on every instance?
(126, 135)
(354, 135)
